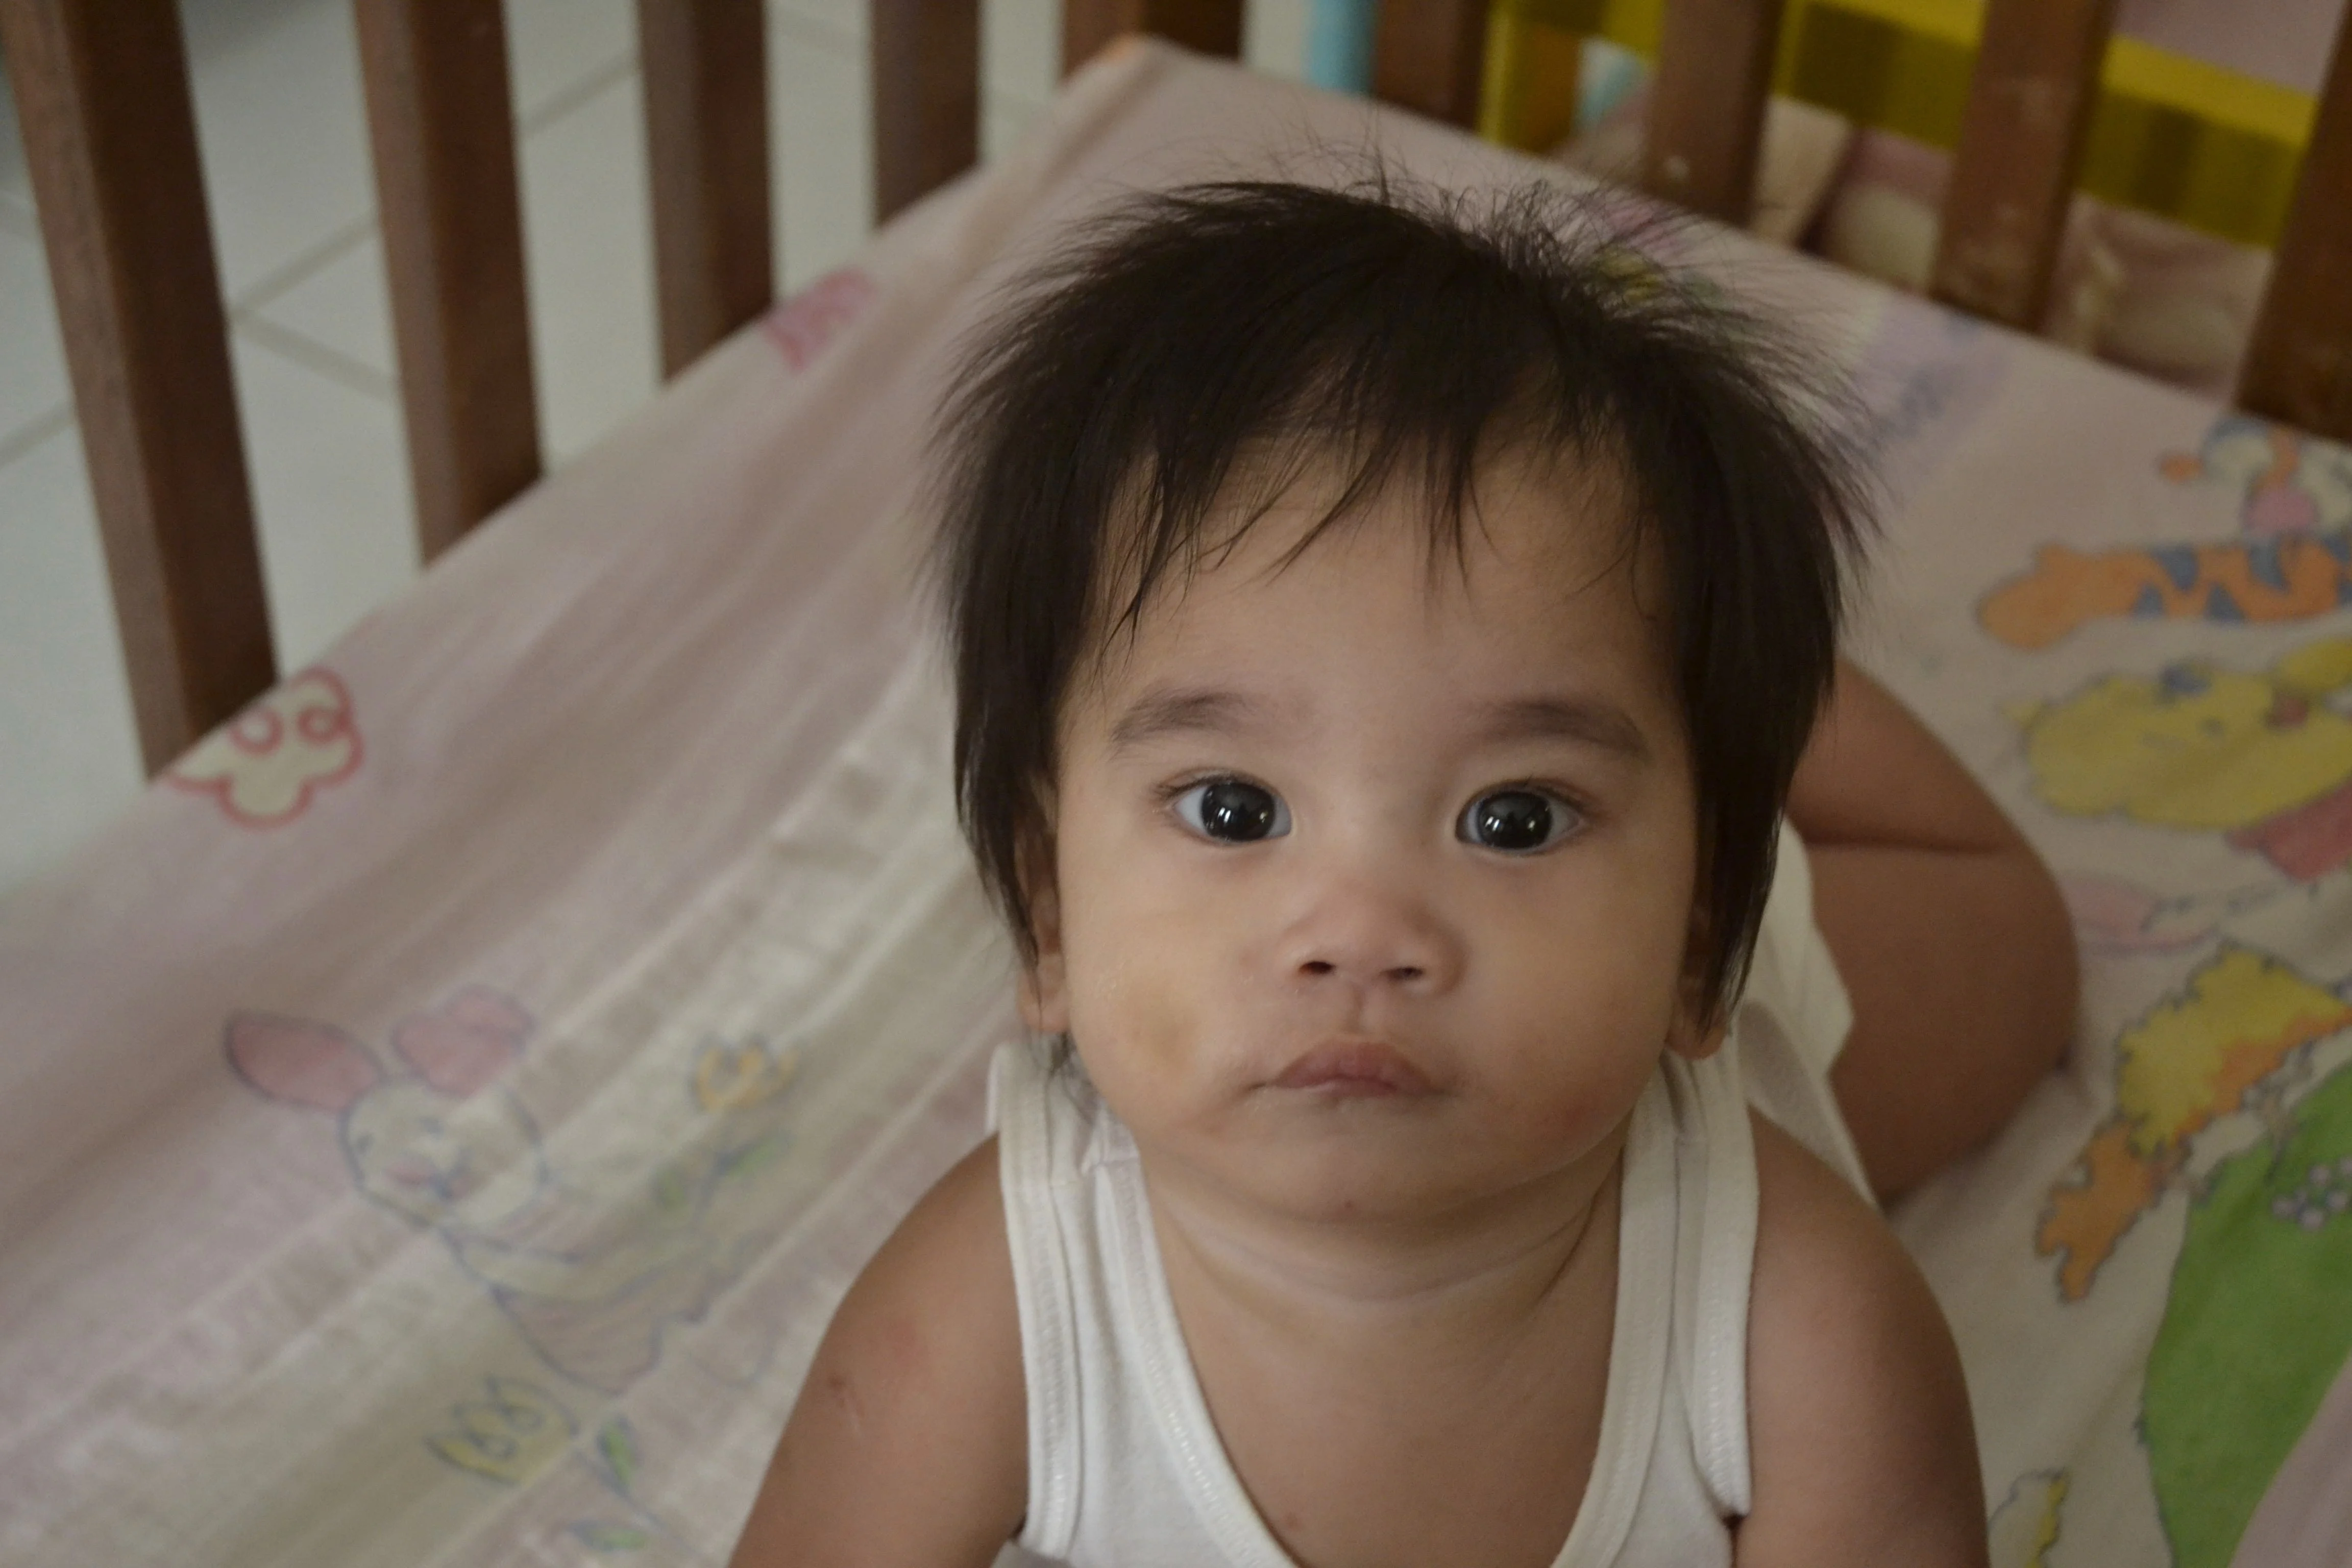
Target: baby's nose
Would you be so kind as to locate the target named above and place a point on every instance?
(1371, 936)
(1400, 972)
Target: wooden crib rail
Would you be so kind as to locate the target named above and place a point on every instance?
(102, 91)
(111, 144)
(441, 123)
(925, 59)
(110, 134)
(1429, 56)
(1204, 26)
(2020, 148)
(2299, 368)
(705, 64)
(1707, 105)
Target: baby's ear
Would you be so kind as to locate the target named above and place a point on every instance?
(1701, 1019)
(1689, 1037)
(1044, 1004)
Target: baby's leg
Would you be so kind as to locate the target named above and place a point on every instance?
(1947, 928)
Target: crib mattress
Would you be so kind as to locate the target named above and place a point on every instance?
(442, 1113)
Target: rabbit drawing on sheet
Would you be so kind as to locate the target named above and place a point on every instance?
(590, 1278)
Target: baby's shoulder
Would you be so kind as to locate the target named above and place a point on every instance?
(1858, 1416)
(1816, 1233)
(945, 1276)
(909, 1442)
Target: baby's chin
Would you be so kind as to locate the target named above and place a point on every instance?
(1354, 1172)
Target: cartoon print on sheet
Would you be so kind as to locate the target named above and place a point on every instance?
(2293, 561)
(1925, 377)
(266, 765)
(2025, 1526)
(2232, 1093)
(801, 325)
(589, 1281)
(513, 1431)
(2262, 757)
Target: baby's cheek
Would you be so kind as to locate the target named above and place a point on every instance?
(1144, 1022)
(1595, 1099)
(1142, 957)
(1588, 1030)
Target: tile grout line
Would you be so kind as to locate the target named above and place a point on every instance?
(818, 34)
(563, 101)
(273, 284)
(267, 289)
(287, 343)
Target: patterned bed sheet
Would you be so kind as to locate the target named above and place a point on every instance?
(442, 1113)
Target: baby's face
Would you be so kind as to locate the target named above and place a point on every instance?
(1373, 880)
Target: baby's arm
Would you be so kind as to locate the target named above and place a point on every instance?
(1947, 928)
(909, 1444)
(1860, 1444)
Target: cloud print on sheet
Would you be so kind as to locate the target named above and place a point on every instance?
(803, 324)
(266, 765)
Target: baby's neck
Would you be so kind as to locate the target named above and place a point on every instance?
(1480, 1279)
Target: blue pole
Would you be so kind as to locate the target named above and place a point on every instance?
(1340, 44)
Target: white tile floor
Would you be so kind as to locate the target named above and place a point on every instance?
(285, 151)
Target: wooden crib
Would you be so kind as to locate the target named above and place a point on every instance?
(103, 92)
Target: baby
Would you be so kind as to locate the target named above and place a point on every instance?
(1388, 637)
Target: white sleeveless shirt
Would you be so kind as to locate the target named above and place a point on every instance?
(1125, 1470)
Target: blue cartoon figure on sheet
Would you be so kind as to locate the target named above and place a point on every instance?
(590, 1278)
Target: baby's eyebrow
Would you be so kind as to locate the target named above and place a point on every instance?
(1166, 711)
(1594, 721)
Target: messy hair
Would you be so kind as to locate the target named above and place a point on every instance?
(1190, 342)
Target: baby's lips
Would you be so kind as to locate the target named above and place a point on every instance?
(1350, 1067)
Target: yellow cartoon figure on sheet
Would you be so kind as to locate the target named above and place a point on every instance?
(514, 1432)
(2234, 1098)
(2262, 756)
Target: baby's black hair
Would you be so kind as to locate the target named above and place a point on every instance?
(1228, 336)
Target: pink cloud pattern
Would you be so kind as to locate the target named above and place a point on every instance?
(264, 766)
(803, 324)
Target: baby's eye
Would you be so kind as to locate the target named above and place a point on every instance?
(1233, 811)
(1516, 821)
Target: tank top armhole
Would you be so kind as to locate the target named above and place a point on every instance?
(1020, 1094)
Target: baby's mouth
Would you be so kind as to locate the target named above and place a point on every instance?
(1354, 1068)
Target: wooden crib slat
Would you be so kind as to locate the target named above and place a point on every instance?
(926, 61)
(2029, 117)
(441, 120)
(2299, 364)
(1429, 56)
(1707, 105)
(1206, 26)
(705, 64)
(110, 139)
